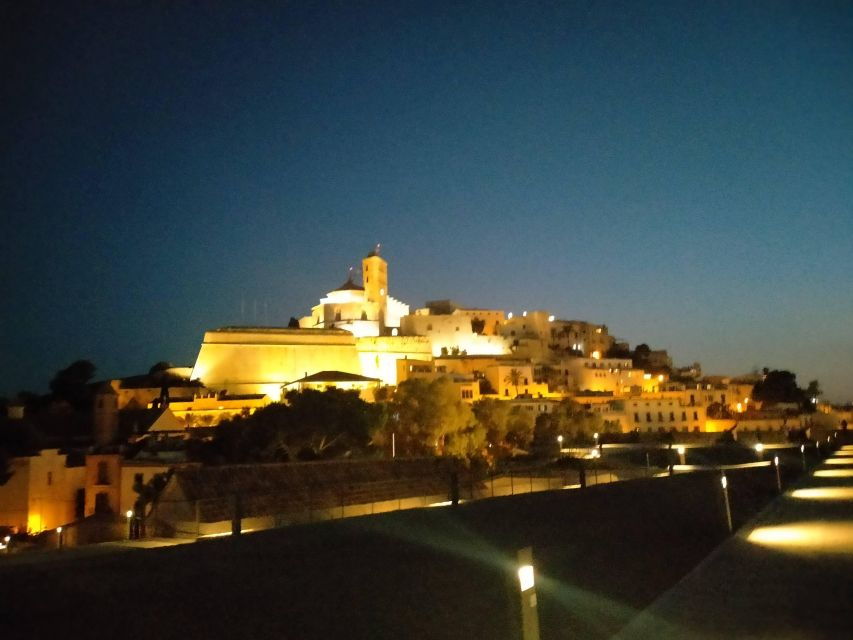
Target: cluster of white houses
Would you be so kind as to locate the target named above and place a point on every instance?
(358, 337)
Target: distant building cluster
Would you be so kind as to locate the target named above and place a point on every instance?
(360, 338)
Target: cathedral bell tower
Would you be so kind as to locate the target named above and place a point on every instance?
(375, 274)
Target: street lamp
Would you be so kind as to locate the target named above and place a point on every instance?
(682, 457)
(803, 455)
(778, 476)
(129, 515)
(59, 534)
(527, 591)
(759, 449)
(560, 441)
(725, 483)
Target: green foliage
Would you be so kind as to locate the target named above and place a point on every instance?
(72, 385)
(781, 386)
(569, 419)
(513, 378)
(429, 417)
(148, 491)
(311, 425)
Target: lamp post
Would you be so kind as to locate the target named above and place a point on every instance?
(59, 537)
(759, 449)
(560, 441)
(682, 455)
(129, 515)
(527, 591)
(803, 456)
(725, 483)
(778, 476)
(648, 465)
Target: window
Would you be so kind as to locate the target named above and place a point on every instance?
(648, 417)
(337, 315)
(49, 478)
(695, 415)
(660, 416)
(671, 416)
(636, 417)
(103, 473)
(684, 415)
(364, 315)
(467, 394)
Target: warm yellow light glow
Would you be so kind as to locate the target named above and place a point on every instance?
(834, 473)
(724, 481)
(129, 514)
(739, 407)
(647, 376)
(560, 439)
(776, 460)
(839, 461)
(806, 536)
(58, 529)
(681, 451)
(660, 378)
(596, 355)
(759, 447)
(509, 316)
(847, 447)
(525, 577)
(824, 493)
(844, 454)
(550, 318)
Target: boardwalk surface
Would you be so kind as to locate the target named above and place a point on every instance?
(788, 575)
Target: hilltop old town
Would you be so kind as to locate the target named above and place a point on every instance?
(360, 380)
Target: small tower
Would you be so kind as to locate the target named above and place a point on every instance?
(106, 414)
(375, 274)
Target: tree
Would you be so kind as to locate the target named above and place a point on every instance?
(513, 378)
(293, 323)
(429, 417)
(72, 384)
(311, 425)
(640, 359)
(778, 387)
(160, 367)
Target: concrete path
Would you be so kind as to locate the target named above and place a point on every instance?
(787, 575)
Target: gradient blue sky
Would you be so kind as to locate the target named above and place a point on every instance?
(682, 171)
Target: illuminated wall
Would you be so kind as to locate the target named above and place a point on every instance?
(41, 493)
(612, 375)
(261, 360)
(378, 356)
(451, 332)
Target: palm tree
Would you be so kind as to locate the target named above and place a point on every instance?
(513, 378)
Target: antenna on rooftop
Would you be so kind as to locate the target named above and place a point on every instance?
(378, 246)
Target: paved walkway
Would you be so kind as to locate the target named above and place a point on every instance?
(787, 575)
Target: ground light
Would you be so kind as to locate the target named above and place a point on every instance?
(725, 484)
(759, 449)
(682, 455)
(824, 493)
(803, 455)
(778, 475)
(59, 537)
(810, 537)
(834, 473)
(129, 515)
(527, 591)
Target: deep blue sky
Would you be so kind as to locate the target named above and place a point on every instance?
(681, 171)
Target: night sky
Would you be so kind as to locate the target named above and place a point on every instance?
(682, 172)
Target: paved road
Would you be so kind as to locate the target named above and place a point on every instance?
(787, 575)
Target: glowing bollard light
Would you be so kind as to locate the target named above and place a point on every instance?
(778, 475)
(682, 455)
(759, 449)
(59, 537)
(725, 484)
(803, 455)
(527, 589)
(129, 515)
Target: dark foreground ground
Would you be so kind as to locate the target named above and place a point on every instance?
(602, 553)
